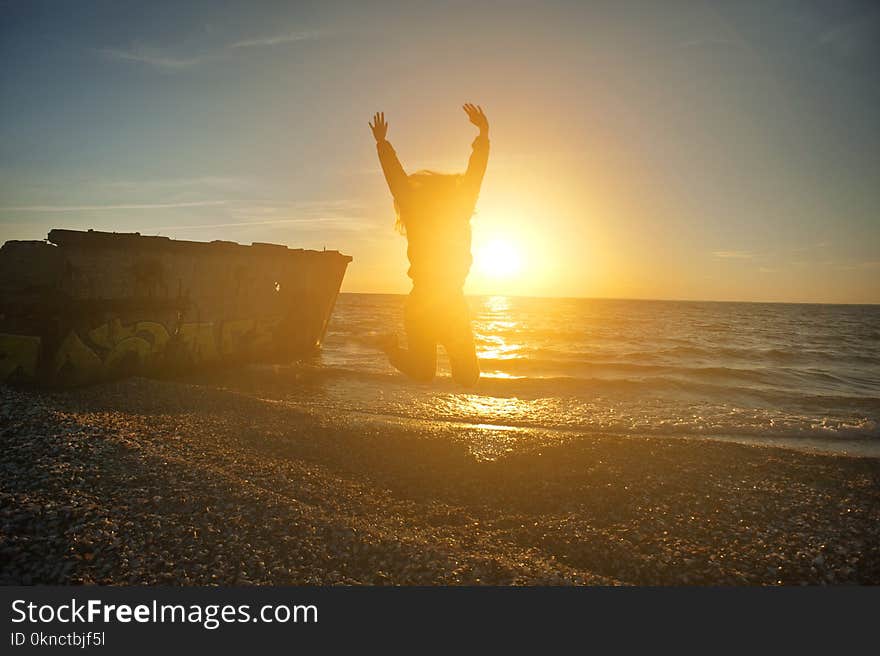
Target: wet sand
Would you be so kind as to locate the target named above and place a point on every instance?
(164, 482)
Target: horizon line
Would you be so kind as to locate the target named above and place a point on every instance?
(646, 300)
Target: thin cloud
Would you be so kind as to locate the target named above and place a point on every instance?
(92, 208)
(303, 208)
(344, 223)
(341, 214)
(161, 59)
(276, 40)
(216, 182)
(156, 59)
(734, 255)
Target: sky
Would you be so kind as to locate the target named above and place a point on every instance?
(675, 150)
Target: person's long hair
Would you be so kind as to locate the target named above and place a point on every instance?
(430, 194)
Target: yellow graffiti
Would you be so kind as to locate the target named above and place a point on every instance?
(18, 353)
(198, 339)
(107, 335)
(132, 354)
(126, 349)
(155, 333)
(114, 348)
(75, 361)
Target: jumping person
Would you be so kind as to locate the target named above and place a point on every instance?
(434, 212)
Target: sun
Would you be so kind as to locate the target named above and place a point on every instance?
(498, 259)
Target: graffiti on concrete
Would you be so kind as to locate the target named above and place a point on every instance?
(88, 306)
(18, 355)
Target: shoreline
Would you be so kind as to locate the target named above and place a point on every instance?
(168, 482)
(837, 447)
(282, 384)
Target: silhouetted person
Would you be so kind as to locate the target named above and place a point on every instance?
(434, 212)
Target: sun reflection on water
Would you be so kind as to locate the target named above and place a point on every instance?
(500, 374)
(495, 336)
(498, 304)
(483, 408)
(498, 349)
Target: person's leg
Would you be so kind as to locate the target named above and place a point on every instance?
(460, 346)
(419, 359)
(463, 360)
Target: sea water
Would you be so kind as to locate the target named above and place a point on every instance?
(802, 376)
(785, 374)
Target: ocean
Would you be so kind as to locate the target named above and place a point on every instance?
(786, 374)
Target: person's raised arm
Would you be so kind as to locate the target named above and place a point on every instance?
(395, 176)
(480, 155)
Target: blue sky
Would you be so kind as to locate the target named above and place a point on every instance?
(672, 150)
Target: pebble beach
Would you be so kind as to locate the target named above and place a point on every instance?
(192, 482)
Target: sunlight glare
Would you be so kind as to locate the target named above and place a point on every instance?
(499, 259)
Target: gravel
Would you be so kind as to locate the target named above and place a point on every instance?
(163, 482)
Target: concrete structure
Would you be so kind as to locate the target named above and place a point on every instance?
(89, 306)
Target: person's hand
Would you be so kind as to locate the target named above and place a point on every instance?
(379, 126)
(477, 117)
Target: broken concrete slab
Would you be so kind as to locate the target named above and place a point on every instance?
(85, 306)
